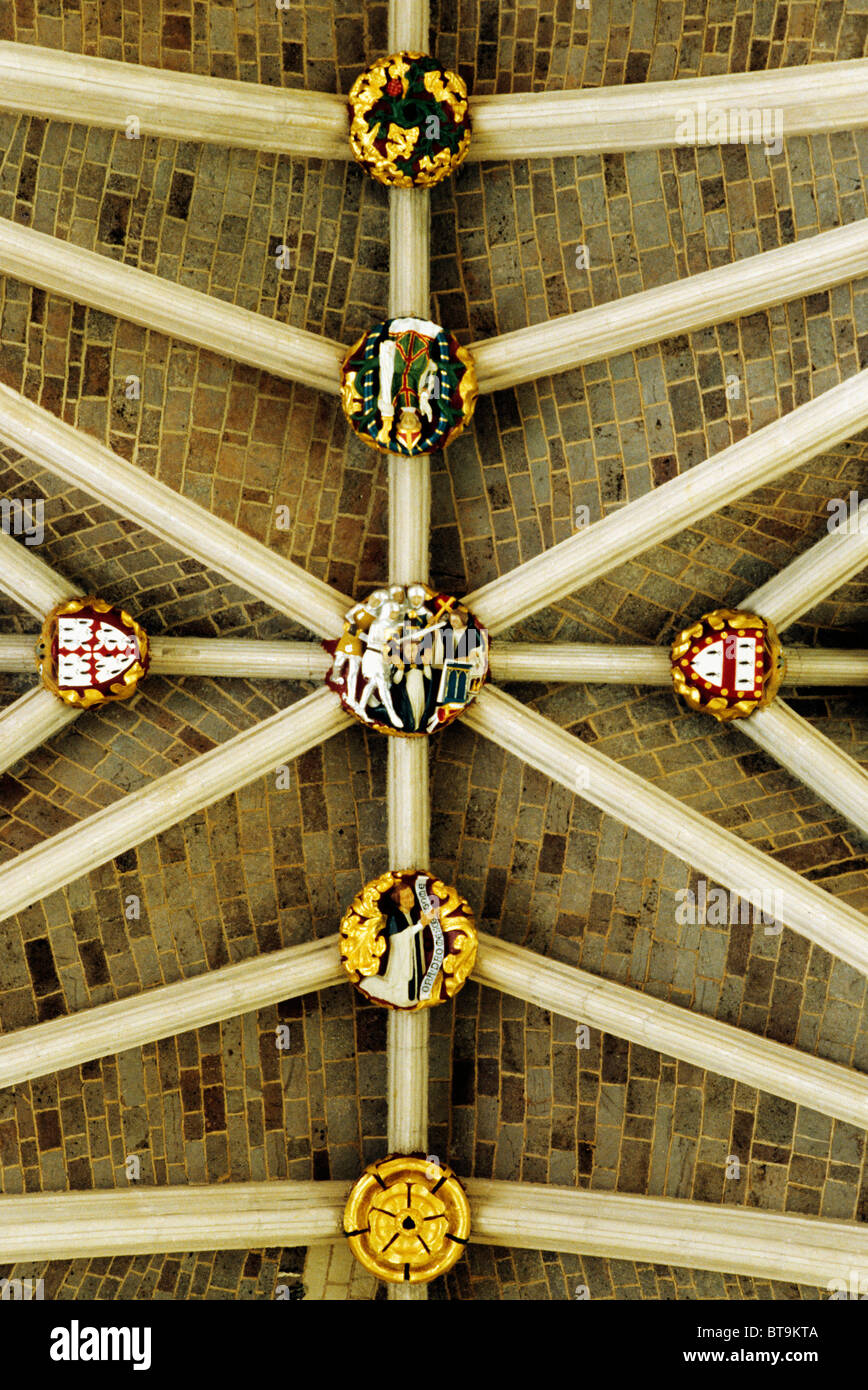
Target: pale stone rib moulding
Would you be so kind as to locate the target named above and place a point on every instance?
(825, 666)
(237, 1216)
(409, 26)
(814, 759)
(580, 661)
(202, 656)
(169, 799)
(407, 794)
(30, 721)
(407, 790)
(755, 282)
(157, 1220)
(409, 519)
(237, 656)
(672, 1030)
(105, 92)
(707, 848)
(651, 115)
(18, 653)
(30, 581)
(766, 454)
(733, 1240)
(409, 265)
(592, 662)
(596, 663)
(176, 310)
(813, 575)
(131, 492)
(168, 1010)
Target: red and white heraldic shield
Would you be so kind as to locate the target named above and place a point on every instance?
(728, 664)
(92, 652)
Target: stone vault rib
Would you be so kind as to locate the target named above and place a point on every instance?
(407, 786)
(29, 721)
(202, 656)
(813, 575)
(30, 581)
(734, 1240)
(103, 92)
(169, 1009)
(677, 1032)
(233, 1216)
(599, 663)
(814, 759)
(176, 310)
(832, 924)
(766, 454)
(126, 489)
(753, 283)
(726, 109)
(594, 663)
(168, 799)
(237, 656)
(228, 1216)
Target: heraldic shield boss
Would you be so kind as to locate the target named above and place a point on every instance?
(89, 652)
(408, 387)
(728, 664)
(409, 121)
(408, 941)
(409, 660)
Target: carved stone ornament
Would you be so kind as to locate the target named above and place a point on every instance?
(408, 941)
(408, 387)
(407, 1220)
(89, 652)
(409, 660)
(409, 121)
(728, 664)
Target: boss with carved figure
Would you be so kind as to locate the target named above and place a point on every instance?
(408, 941)
(409, 660)
(409, 121)
(408, 387)
(90, 652)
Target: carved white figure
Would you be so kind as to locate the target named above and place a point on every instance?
(376, 664)
(350, 648)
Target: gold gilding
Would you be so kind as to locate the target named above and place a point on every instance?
(725, 704)
(363, 943)
(407, 1220)
(84, 699)
(448, 106)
